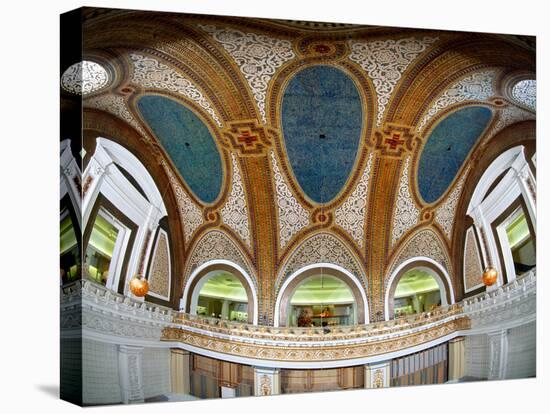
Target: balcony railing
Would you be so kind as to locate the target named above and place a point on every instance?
(105, 312)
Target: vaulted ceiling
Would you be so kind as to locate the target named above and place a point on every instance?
(275, 132)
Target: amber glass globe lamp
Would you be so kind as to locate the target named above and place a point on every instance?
(490, 276)
(139, 286)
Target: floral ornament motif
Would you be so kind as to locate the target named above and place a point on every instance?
(508, 116)
(525, 92)
(351, 215)
(150, 73)
(84, 77)
(406, 213)
(321, 248)
(234, 213)
(445, 214)
(292, 216)
(385, 61)
(265, 385)
(478, 86)
(258, 57)
(159, 275)
(115, 104)
(424, 243)
(216, 245)
(473, 267)
(191, 215)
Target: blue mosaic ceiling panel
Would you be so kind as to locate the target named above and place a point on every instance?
(322, 119)
(446, 149)
(188, 142)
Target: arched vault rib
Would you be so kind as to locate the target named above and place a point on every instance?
(447, 63)
(183, 47)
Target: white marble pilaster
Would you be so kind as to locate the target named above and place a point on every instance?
(267, 381)
(130, 362)
(498, 353)
(377, 375)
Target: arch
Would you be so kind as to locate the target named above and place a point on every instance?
(280, 317)
(511, 158)
(121, 156)
(426, 264)
(204, 272)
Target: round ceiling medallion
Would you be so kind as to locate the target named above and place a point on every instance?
(84, 77)
(525, 92)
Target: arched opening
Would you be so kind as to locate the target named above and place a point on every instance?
(221, 290)
(417, 291)
(223, 296)
(322, 300)
(418, 285)
(321, 295)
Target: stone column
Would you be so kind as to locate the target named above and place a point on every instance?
(179, 371)
(267, 381)
(225, 309)
(130, 360)
(498, 354)
(377, 375)
(457, 358)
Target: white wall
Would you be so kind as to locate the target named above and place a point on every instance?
(100, 372)
(522, 343)
(100, 379)
(477, 356)
(156, 372)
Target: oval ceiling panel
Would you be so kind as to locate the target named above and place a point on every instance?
(446, 149)
(322, 119)
(188, 142)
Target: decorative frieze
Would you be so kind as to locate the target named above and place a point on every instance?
(406, 214)
(424, 243)
(508, 116)
(321, 248)
(351, 215)
(191, 215)
(115, 105)
(150, 73)
(477, 86)
(215, 245)
(235, 211)
(385, 61)
(445, 213)
(292, 216)
(257, 56)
